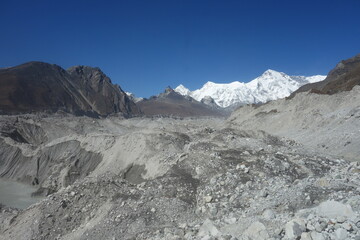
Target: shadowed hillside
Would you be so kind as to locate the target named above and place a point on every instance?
(38, 86)
(343, 77)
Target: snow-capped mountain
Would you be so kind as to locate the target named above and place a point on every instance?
(182, 90)
(133, 97)
(271, 85)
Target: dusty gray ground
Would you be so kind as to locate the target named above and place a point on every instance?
(166, 178)
(325, 123)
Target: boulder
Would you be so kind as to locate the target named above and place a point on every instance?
(294, 228)
(208, 229)
(257, 231)
(334, 209)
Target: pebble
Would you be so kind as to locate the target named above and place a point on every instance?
(208, 199)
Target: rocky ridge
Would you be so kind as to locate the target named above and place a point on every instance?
(43, 87)
(343, 77)
(171, 103)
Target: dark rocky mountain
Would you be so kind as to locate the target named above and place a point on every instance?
(210, 102)
(343, 77)
(103, 96)
(171, 103)
(38, 86)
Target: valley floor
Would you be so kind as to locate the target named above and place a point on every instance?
(161, 178)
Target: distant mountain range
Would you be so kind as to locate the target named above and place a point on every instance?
(271, 85)
(83, 90)
(171, 103)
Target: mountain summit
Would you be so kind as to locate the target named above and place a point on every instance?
(271, 85)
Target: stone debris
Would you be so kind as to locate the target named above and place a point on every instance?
(171, 179)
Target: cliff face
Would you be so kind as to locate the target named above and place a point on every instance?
(343, 77)
(38, 86)
(102, 95)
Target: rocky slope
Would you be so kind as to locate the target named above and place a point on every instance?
(271, 85)
(39, 87)
(325, 123)
(103, 96)
(343, 77)
(171, 103)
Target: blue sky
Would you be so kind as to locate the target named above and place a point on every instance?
(147, 45)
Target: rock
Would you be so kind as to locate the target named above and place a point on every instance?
(346, 226)
(207, 237)
(341, 234)
(310, 226)
(208, 199)
(249, 184)
(323, 182)
(334, 209)
(317, 236)
(264, 193)
(306, 236)
(213, 210)
(231, 220)
(269, 214)
(320, 226)
(208, 229)
(257, 230)
(63, 203)
(294, 228)
(341, 219)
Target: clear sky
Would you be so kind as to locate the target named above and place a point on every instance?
(146, 45)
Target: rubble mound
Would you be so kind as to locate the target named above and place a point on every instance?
(161, 178)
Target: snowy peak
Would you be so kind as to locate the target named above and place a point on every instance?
(182, 90)
(270, 74)
(133, 97)
(271, 85)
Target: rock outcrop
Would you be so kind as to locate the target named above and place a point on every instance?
(103, 96)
